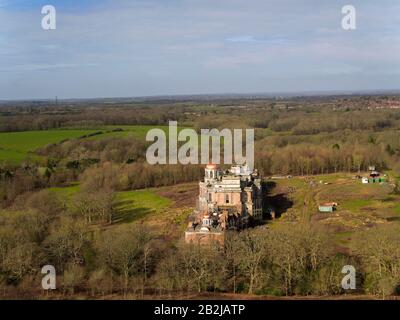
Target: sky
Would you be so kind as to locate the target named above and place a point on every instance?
(129, 48)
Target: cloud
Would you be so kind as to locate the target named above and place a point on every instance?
(148, 47)
(44, 67)
(253, 39)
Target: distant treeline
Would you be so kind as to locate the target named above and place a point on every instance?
(297, 115)
(293, 136)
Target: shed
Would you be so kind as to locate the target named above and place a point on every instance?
(327, 207)
(377, 180)
(374, 174)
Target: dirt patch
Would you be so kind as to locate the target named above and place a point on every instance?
(183, 195)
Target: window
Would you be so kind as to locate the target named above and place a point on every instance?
(227, 198)
(209, 197)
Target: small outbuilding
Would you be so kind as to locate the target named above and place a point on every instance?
(377, 180)
(374, 174)
(374, 179)
(327, 207)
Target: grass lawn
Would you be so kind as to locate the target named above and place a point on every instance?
(129, 205)
(342, 238)
(134, 205)
(12, 156)
(16, 146)
(66, 192)
(356, 205)
(139, 132)
(360, 206)
(31, 140)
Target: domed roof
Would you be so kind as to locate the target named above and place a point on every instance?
(211, 166)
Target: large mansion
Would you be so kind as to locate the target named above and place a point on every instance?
(228, 200)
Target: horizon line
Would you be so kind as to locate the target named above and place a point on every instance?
(272, 94)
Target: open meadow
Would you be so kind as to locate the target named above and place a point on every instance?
(359, 206)
(18, 146)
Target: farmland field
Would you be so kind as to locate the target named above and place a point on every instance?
(29, 141)
(12, 156)
(17, 146)
(135, 131)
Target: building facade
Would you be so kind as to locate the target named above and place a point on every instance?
(228, 200)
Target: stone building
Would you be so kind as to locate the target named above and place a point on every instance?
(228, 200)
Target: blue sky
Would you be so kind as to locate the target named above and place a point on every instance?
(156, 47)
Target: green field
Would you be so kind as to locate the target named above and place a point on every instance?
(128, 206)
(138, 132)
(355, 205)
(12, 156)
(360, 206)
(65, 193)
(17, 146)
(134, 205)
(135, 131)
(29, 141)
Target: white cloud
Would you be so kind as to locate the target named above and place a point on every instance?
(43, 67)
(256, 40)
(190, 46)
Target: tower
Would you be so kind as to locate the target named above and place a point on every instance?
(211, 173)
